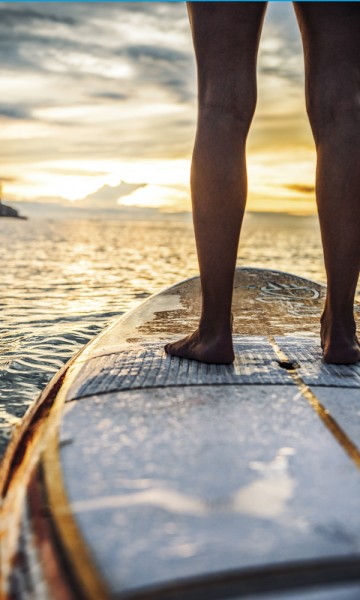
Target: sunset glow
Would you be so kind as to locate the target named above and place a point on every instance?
(79, 116)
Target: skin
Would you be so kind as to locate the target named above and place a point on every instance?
(331, 41)
(226, 38)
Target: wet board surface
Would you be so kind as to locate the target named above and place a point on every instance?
(175, 471)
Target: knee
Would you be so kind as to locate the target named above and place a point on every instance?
(332, 107)
(234, 110)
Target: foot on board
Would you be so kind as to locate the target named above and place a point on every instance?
(213, 349)
(338, 341)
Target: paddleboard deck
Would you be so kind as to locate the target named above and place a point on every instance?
(139, 475)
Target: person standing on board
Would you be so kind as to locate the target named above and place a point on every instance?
(226, 38)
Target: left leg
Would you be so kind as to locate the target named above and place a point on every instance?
(226, 37)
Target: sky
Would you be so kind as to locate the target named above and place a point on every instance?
(98, 109)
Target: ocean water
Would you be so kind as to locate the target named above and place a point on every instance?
(63, 281)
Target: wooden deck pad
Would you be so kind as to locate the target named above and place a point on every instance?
(146, 365)
(307, 355)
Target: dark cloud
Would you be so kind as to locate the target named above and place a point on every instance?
(110, 96)
(32, 49)
(285, 60)
(25, 30)
(164, 55)
(12, 16)
(173, 69)
(43, 38)
(8, 179)
(14, 111)
(299, 187)
(284, 72)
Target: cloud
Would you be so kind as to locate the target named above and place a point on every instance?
(105, 31)
(15, 16)
(104, 87)
(13, 111)
(126, 57)
(106, 197)
(169, 67)
(109, 96)
(301, 187)
(281, 53)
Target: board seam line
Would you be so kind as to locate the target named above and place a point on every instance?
(330, 423)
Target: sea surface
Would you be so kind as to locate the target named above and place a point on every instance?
(63, 281)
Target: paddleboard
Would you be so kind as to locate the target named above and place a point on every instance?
(140, 475)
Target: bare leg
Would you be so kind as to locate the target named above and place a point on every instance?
(226, 38)
(331, 39)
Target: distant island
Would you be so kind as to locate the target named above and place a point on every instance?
(7, 211)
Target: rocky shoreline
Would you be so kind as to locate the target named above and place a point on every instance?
(7, 211)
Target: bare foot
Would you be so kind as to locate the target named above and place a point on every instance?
(338, 340)
(205, 346)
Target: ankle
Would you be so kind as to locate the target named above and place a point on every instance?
(337, 329)
(215, 326)
(335, 313)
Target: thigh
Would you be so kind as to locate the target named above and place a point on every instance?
(226, 39)
(330, 27)
(331, 39)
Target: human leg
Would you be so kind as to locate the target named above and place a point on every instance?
(330, 33)
(226, 38)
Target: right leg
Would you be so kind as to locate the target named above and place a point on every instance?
(226, 37)
(330, 32)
